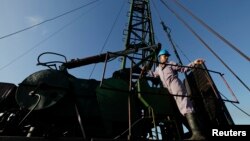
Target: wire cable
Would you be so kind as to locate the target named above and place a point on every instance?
(159, 16)
(206, 45)
(212, 30)
(106, 40)
(33, 108)
(236, 105)
(157, 11)
(44, 40)
(182, 52)
(117, 137)
(48, 20)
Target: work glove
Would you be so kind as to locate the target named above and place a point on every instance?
(199, 61)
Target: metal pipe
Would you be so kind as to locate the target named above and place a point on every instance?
(102, 57)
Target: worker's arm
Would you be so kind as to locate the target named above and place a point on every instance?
(186, 69)
(150, 72)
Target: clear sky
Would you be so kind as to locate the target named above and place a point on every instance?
(84, 32)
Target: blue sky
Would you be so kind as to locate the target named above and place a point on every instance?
(83, 33)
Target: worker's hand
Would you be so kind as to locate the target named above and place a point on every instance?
(143, 69)
(199, 61)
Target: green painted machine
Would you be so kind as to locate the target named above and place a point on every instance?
(128, 106)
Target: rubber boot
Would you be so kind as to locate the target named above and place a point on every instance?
(194, 126)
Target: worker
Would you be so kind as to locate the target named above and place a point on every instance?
(168, 73)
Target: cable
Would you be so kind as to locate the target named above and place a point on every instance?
(127, 129)
(212, 30)
(236, 105)
(158, 13)
(51, 19)
(159, 16)
(205, 44)
(38, 100)
(80, 122)
(44, 40)
(106, 40)
(182, 52)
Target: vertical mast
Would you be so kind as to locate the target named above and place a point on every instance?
(139, 32)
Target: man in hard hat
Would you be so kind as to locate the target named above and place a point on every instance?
(168, 73)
